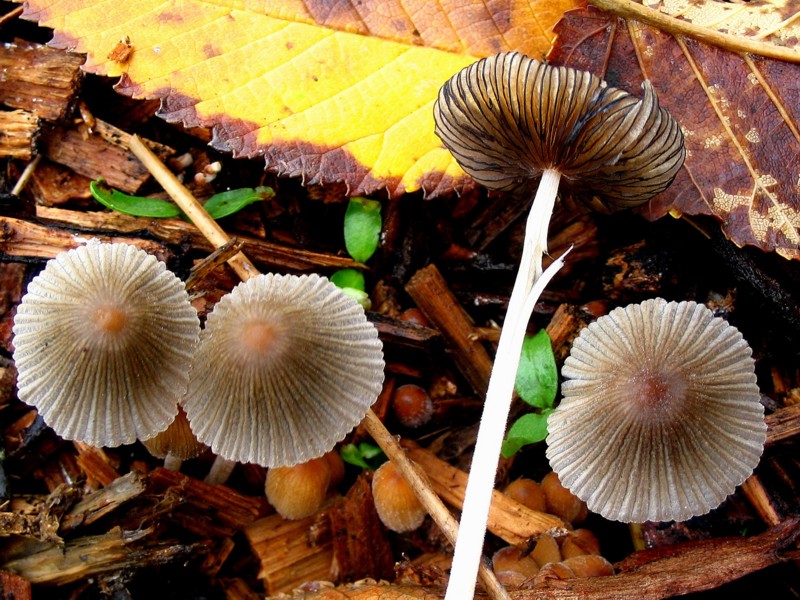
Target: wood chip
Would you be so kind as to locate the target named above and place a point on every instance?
(39, 79)
(18, 132)
(102, 154)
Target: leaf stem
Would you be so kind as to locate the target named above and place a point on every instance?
(528, 286)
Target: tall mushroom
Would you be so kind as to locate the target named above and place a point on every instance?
(103, 339)
(661, 417)
(509, 119)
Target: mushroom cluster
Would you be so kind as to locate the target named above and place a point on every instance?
(103, 339)
(509, 119)
(661, 416)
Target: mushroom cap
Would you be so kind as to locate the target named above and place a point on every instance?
(103, 340)
(286, 367)
(508, 117)
(660, 418)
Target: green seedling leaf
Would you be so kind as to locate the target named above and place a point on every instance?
(349, 278)
(537, 377)
(359, 296)
(218, 206)
(528, 429)
(132, 205)
(362, 228)
(364, 455)
(226, 203)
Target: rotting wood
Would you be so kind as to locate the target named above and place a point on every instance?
(508, 519)
(38, 79)
(175, 231)
(207, 510)
(432, 295)
(91, 555)
(18, 132)
(20, 238)
(289, 557)
(754, 491)
(404, 335)
(102, 154)
(100, 503)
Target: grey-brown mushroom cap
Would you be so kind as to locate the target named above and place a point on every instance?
(508, 117)
(286, 367)
(660, 418)
(103, 341)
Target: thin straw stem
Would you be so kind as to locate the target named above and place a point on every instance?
(528, 286)
(377, 430)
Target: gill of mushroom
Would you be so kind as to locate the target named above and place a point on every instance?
(245, 270)
(507, 120)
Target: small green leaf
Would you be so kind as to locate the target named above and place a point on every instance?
(362, 228)
(361, 297)
(218, 206)
(226, 203)
(364, 455)
(528, 429)
(537, 377)
(349, 278)
(132, 205)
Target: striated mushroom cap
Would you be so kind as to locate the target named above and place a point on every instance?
(286, 367)
(103, 340)
(660, 418)
(508, 117)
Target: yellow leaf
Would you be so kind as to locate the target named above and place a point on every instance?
(325, 91)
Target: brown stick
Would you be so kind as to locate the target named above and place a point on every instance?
(245, 269)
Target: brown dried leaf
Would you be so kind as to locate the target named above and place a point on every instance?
(738, 112)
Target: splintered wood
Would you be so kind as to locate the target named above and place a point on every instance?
(345, 541)
(18, 132)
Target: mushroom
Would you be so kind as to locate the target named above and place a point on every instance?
(103, 340)
(298, 491)
(395, 502)
(176, 443)
(661, 417)
(508, 119)
(286, 367)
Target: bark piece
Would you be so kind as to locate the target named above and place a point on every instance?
(433, 297)
(18, 132)
(102, 154)
(360, 547)
(51, 184)
(508, 519)
(39, 79)
(24, 239)
(96, 465)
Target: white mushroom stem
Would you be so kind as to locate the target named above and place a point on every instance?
(172, 462)
(529, 284)
(220, 471)
(245, 269)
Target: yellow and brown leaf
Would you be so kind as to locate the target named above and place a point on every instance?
(327, 91)
(740, 115)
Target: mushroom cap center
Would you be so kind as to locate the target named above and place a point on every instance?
(109, 319)
(258, 336)
(657, 395)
